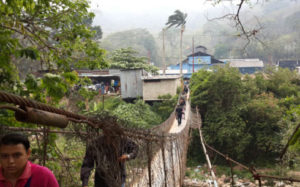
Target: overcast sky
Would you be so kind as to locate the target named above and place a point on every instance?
(117, 15)
(139, 6)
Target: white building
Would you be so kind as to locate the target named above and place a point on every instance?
(159, 85)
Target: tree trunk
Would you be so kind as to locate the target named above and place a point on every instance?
(164, 57)
(181, 33)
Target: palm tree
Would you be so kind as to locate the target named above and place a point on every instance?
(178, 19)
(164, 51)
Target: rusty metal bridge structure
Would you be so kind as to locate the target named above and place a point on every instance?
(163, 149)
(162, 155)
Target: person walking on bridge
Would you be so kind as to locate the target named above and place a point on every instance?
(185, 89)
(179, 113)
(182, 105)
(109, 153)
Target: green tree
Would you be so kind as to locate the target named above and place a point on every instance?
(283, 83)
(97, 29)
(166, 106)
(138, 115)
(291, 119)
(126, 58)
(50, 32)
(178, 19)
(220, 89)
(241, 116)
(262, 117)
(52, 36)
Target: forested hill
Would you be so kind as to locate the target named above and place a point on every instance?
(277, 21)
(283, 16)
(278, 25)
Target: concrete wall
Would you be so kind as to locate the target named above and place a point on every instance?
(131, 83)
(154, 88)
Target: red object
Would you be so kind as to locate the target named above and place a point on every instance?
(40, 177)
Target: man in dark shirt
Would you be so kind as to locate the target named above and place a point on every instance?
(182, 102)
(179, 113)
(185, 89)
(109, 154)
(182, 105)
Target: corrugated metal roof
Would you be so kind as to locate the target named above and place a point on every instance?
(172, 71)
(94, 72)
(98, 73)
(160, 77)
(243, 63)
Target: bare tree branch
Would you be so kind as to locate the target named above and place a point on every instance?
(248, 34)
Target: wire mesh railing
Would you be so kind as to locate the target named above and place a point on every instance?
(160, 160)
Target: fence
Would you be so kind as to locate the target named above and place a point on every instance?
(160, 161)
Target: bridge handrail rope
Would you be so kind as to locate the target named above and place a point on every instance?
(176, 145)
(24, 103)
(27, 110)
(24, 129)
(255, 174)
(204, 148)
(24, 106)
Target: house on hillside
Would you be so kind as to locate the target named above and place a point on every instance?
(155, 86)
(290, 64)
(298, 69)
(128, 81)
(198, 60)
(135, 83)
(245, 66)
(98, 76)
(131, 83)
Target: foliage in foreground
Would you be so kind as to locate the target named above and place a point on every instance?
(50, 35)
(137, 114)
(47, 36)
(166, 106)
(246, 117)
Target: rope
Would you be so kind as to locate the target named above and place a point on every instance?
(23, 102)
(252, 170)
(109, 124)
(205, 152)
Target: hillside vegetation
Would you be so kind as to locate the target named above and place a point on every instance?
(250, 119)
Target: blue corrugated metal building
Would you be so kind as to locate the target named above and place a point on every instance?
(200, 59)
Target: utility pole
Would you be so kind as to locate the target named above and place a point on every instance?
(149, 57)
(193, 54)
(181, 33)
(164, 57)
